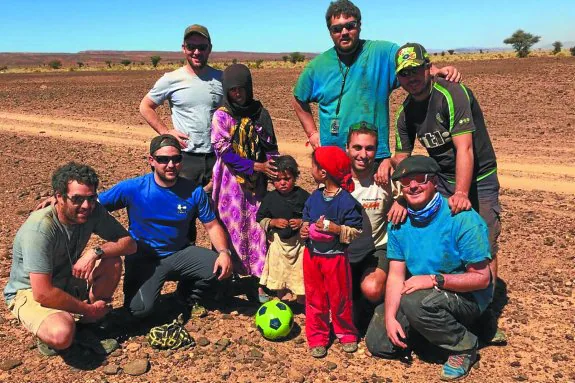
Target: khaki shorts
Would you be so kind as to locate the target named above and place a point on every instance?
(29, 312)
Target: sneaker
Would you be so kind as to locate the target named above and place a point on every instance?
(458, 366)
(198, 311)
(349, 347)
(44, 349)
(318, 352)
(499, 339)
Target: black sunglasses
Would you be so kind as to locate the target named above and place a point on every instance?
(337, 28)
(79, 199)
(192, 47)
(166, 159)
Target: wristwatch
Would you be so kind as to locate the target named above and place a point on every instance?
(227, 251)
(99, 252)
(440, 280)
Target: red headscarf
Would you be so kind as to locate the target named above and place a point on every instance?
(336, 163)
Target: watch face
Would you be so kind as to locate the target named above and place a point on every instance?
(99, 252)
(440, 280)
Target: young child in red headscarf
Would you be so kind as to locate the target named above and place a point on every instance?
(332, 219)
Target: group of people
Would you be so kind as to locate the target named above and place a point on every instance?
(412, 237)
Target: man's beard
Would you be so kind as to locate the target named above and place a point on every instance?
(202, 64)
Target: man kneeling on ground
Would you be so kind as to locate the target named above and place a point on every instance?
(439, 280)
(51, 282)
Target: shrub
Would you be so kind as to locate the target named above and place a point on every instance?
(259, 63)
(108, 63)
(80, 64)
(522, 42)
(451, 51)
(295, 57)
(557, 45)
(3, 68)
(125, 62)
(155, 60)
(285, 58)
(443, 53)
(572, 51)
(55, 64)
(234, 61)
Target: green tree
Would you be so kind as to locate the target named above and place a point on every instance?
(155, 60)
(126, 62)
(108, 63)
(80, 64)
(442, 53)
(55, 64)
(557, 45)
(285, 58)
(522, 42)
(572, 51)
(451, 51)
(234, 61)
(295, 57)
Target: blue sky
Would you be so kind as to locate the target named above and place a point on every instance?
(271, 25)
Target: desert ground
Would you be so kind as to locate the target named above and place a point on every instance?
(47, 119)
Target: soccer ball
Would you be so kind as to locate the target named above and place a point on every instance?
(274, 320)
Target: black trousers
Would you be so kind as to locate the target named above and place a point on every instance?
(440, 316)
(145, 276)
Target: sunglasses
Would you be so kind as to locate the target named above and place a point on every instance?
(338, 28)
(79, 199)
(408, 72)
(166, 159)
(419, 178)
(363, 125)
(192, 47)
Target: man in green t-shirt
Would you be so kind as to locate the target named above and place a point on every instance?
(53, 281)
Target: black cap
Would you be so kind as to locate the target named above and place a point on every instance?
(164, 140)
(415, 165)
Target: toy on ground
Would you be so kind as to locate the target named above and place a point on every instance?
(274, 320)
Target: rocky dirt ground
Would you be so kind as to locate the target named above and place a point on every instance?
(48, 119)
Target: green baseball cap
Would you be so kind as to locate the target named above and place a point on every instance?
(164, 140)
(199, 29)
(415, 165)
(410, 55)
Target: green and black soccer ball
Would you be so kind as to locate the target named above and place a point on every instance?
(274, 320)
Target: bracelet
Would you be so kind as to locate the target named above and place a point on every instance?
(326, 223)
(227, 251)
(310, 135)
(461, 192)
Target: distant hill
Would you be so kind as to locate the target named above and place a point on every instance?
(100, 57)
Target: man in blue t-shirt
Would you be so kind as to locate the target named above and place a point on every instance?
(439, 280)
(350, 82)
(161, 207)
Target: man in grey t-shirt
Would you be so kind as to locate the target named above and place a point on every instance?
(52, 279)
(193, 92)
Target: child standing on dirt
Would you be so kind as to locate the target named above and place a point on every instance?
(280, 215)
(332, 219)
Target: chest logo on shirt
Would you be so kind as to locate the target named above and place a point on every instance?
(182, 209)
(434, 139)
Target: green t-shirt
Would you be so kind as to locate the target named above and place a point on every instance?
(44, 245)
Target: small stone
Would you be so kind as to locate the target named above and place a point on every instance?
(227, 316)
(137, 367)
(255, 354)
(203, 341)
(174, 378)
(520, 378)
(226, 374)
(235, 313)
(133, 347)
(299, 340)
(111, 369)
(569, 336)
(331, 365)
(515, 364)
(116, 353)
(223, 343)
(8, 364)
(568, 284)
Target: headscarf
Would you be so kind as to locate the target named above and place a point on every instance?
(253, 135)
(336, 163)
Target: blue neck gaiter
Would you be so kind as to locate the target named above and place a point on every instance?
(426, 214)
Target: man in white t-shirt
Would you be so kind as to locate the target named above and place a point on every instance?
(367, 253)
(193, 92)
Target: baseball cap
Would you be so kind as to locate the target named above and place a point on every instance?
(164, 140)
(415, 165)
(199, 29)
(410, 55)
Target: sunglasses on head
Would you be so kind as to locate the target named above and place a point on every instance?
(419, 178)
(79, 199)
(408, 72)
(338, 28)
(192, 47)
(166, 159)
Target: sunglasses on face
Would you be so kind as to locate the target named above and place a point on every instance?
(338, 28)
(164, 160)
(192, 47)
(79, 199)
(408, 72)
(419, 178)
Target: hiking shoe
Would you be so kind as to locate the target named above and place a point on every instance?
(349, 347)
(499, 339)
(197, 310)
(318, 352)
(44, 349)
(458, 366)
